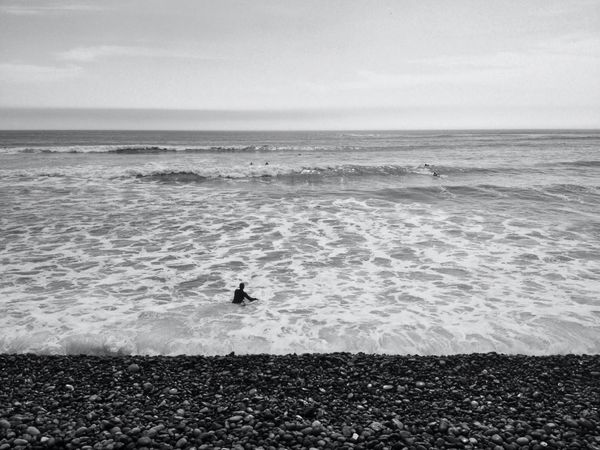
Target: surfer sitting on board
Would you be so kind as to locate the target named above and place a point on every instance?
(239, 295)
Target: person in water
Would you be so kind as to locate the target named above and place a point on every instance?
(239, 295)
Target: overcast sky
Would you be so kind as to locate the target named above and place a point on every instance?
(299, 64)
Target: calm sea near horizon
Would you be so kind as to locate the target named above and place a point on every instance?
(424, 242)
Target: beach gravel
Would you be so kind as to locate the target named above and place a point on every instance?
(350, 401)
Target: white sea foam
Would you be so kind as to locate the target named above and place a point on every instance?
(150, 149)
(381, 277)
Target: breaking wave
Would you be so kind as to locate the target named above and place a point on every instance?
(154, 149)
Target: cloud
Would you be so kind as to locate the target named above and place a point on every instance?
(375, 80)
(20, 8)
(90, 54)
(544, 62)
(27, 73)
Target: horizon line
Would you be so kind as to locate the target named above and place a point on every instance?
(405, 118)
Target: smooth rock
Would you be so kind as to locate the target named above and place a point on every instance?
(144, 441)
(497, 439)
(32, 431)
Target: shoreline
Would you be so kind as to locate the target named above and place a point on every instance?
(336, 400)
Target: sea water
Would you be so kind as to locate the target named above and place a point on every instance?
(385, 242)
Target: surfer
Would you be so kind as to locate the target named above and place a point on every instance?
(239, 295)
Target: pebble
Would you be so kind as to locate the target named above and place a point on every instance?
(32, 431)
(444, 425)
(144, 441)
(304, 402)
(133, 368)
(376, 426)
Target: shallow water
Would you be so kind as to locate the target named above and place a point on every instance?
(132, 242)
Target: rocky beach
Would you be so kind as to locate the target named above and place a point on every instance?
(339, 400)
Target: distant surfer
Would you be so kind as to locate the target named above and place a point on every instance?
(432, 170)
(239, 295)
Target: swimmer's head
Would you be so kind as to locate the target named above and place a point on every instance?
(241, 285)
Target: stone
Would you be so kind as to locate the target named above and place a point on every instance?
(4, 424)
(133, 368)
(398, 423)
(144, 441)
(388, 387)
(571, 422)
(32, 431)
(444, 425)
(235, 419)
(522, 441)
(376, 426)
(181, 443)
(497, 439)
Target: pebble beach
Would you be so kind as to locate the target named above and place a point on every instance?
(338, 400)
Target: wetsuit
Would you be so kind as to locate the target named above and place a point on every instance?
(239, 295)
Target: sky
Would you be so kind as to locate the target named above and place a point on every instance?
(290, 64)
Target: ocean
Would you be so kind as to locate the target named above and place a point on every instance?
(430, 242)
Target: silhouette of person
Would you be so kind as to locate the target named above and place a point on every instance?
(239, 295)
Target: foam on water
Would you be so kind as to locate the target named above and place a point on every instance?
(124, 254)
